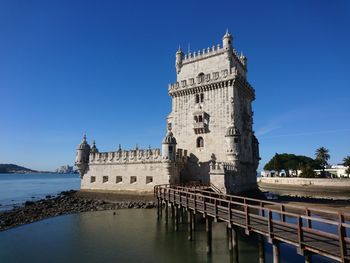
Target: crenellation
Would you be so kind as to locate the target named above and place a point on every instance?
(126, 156)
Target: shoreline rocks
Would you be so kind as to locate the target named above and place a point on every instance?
(67, 202)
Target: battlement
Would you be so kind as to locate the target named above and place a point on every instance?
(126, 156)
(133, 156)
(222, 167)
(209, 52)
(210, 81)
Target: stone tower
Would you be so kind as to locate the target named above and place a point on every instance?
(212, 117)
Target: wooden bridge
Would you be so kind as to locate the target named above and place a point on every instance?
(310, 231)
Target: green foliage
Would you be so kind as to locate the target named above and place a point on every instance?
(346, 162)
(322, 155)
(307, 172)
(286, 161)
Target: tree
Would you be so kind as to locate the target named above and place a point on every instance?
(346, 162)
(322, 156)
(287, 161)
(307, 171)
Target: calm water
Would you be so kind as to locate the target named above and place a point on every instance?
(18, 188)
(132, 235)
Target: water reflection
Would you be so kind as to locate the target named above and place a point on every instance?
(133, 235)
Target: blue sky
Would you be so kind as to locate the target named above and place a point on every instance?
(102, 68)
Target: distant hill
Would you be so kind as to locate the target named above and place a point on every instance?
(13, 168)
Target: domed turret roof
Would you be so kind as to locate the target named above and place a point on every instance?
(94, 148)
(179, 50)
(84, 145)
(232, 131)
(227, 34)
(169, 138)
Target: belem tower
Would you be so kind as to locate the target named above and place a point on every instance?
(209, 138)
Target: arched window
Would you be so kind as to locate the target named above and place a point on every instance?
(202, 97)
(196, 119)
(200, 142)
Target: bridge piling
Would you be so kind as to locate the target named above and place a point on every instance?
(265, 218)
(189, 225)
(275, 251)
(208, 229)
(166, 211)
(193, 221)
(308, 258)
(261, 249)
(158, 201)
(176, 215)
(229, 236)
(234, 239)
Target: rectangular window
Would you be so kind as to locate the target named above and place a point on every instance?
(92, 179)
(104, 179)
(133, 179)
(149, 179)
(119, 179)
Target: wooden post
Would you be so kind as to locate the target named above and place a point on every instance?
(308, 221)
(308, 258)
(300, 235)
(193, 221)
(208, 226)
(229, 235)
(342, 234)
(176, 225)
(157, 207)
(234, 239)
(161, 208)
(275, 251)
(269, 224)
(261, 249)
(166, 211)
(283, 216)
(184, 214)
(189, 219)
(172, 211)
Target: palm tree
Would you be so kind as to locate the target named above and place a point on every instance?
(322, 155)
(346, 162)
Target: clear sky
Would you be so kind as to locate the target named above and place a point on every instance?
(102, 68)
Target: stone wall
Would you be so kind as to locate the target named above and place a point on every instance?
(140, 177)
(305, 182)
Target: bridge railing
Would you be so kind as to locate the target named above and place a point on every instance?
(316, 230)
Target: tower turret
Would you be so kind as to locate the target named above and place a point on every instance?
(93, 147)
(227, 44)
(179, 57)
(243, 59)
(82, 157)
(169, 146)
(233, 141)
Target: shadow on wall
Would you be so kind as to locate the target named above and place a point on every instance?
(195, 171)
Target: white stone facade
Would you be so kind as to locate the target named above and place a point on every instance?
(211, 119)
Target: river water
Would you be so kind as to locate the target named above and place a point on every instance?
(132, 235)
(18, 188)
